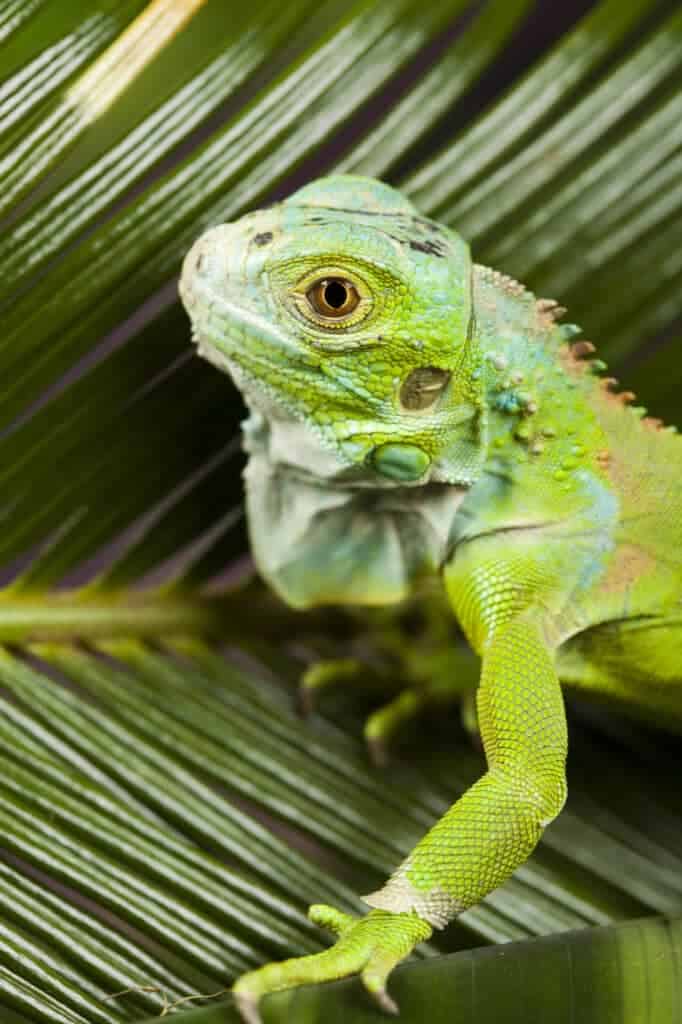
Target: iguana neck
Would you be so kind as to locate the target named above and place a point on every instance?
(318, 540)
(540, 400)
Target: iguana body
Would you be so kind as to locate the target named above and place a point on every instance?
(413, 413)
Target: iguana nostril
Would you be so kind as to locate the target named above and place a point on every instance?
(206, 258)
(196, 262)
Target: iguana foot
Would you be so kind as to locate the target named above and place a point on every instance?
(382, 725)
(370, 946)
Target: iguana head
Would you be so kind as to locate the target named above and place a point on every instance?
(342, 309)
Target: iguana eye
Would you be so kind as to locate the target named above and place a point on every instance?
(333, 297)
(423, 387)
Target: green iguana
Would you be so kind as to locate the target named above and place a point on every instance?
(413, 413)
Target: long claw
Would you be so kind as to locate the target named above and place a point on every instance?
(248, 1007)
(387, 1004)
(305, 700)
(374, 978)
(378, 751)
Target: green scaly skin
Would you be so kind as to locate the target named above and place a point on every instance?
(443, 423)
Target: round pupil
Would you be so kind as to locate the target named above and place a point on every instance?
(335, 294)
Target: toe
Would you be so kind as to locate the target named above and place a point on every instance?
(247, 1005)
(382, 725)
(387, 1004)
(325, 675)
(374, 979)
(330, 918)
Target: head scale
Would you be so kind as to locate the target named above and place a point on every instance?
(344, 310)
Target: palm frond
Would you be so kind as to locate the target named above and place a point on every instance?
(166, 815)
(604, 976)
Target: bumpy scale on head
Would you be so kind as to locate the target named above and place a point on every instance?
(345, 311)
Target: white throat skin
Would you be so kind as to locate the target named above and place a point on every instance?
(324, 531)
(289, 444)
(319, 540)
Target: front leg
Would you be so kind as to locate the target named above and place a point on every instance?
(494, 826)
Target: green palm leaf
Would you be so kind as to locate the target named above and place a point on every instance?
(596, 976)
(166, 815)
